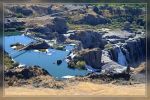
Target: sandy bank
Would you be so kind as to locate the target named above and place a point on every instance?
(83, 88)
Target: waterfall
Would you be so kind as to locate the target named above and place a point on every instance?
(130, 53)
(121, 58)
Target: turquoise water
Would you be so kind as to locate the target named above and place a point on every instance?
(44, 60)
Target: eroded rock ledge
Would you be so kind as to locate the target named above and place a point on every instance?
(35, 76)
(88, 38)
(92, 57)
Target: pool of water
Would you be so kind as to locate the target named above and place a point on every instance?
(45, 60)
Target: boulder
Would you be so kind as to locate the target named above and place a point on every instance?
(21, 10)
(95, 9)
(60, 38)
(112, 68)
(141, 22)
(127, 26)
(59, 62)
(60, 25)
(14, 24)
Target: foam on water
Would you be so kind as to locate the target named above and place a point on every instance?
(89, 68)
(68, 76)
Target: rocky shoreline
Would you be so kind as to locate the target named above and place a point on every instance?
(37, 77)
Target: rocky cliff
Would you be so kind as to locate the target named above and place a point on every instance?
(25, 73)
(55, 24)
(92, 57)
(121, 49)
(26, 10)
(21, 10)
(130, 53)
(92, 19)
(88, 38)
(12, 23)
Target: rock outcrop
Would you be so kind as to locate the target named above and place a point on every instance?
(112, 68)
(93, 19)
(55, 25)
(31, 76)
(88, 38)
(41, 10)
(92, 57)
(58, 25)
(25, 73)
(21, 10)
(12, 23)
(132, 52)
(117, 35)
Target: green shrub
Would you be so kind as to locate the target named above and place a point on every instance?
(109, 46)
(42, 50)
(7, 61)
(58, 47)
(20, 28)
(77, 65)
(19, 15)
(80, 65)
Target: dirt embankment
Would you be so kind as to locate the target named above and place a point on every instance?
(83, 88)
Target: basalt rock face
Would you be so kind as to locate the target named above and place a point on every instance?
(29, 10)
(89, 39)
(21, 10)
(92, 20)
(136, 49)
(125, 48)
(130, 53)
(55, 28)
(58, 25)
(55, 25)
(25, 73)
(92, 57)
(41, 10)
(33, 76)
(10, 23)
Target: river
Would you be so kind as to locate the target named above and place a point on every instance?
(45, 60)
